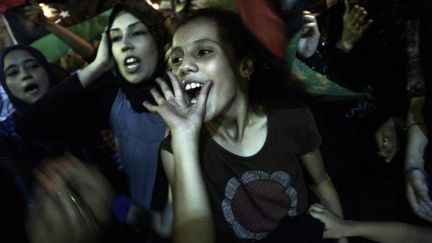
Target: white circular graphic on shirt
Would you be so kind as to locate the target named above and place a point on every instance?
(255, 203)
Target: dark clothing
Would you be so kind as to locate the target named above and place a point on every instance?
(13, 209)
(263, 196)
(138, 137)
(426, 51)
(70, 109)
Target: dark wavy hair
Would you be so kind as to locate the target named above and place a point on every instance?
(271, 82)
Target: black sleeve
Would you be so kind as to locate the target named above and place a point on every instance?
(69, 109)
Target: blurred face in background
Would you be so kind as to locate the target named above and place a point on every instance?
(25, 77)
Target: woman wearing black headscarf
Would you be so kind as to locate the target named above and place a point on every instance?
(135, 42)
(48, 196)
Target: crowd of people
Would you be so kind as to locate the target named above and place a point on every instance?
(219, 121)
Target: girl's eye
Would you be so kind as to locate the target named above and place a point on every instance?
(204, 52)
(139, 32)
(34, 65)
(115, 38)
(176, 60)
(11, 73)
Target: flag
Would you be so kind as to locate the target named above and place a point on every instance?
(54, 49)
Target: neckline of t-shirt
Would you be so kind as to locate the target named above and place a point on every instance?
(261, 151)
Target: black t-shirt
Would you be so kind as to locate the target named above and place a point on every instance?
(263, 196)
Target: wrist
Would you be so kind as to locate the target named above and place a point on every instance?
(413, 169)
(351, 228)
(414, 124)
(183, 134)
(344, 45)
(417, 173)
(413, 160)
(48, 24)
(184, 138)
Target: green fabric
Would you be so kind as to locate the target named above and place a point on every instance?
(319, 85)
(54, 49)
(291, 49)
(316, 83)
(225, 4)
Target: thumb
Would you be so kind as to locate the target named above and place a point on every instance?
(203, 94)
(348, 6)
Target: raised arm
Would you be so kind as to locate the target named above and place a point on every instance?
(193, 220)
(75, 42)
(74, 105)
(416, 179)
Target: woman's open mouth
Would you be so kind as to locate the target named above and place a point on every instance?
(31, 88)
(192, 90)
(132, 64)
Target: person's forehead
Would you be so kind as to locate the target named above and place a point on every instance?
(124, 19)
(16, 56)
(197, 30)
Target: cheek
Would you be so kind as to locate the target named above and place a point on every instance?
(115, 55)
(12, 85)
(41, 75)
(149, 53)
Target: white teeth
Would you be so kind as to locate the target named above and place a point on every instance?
(132, 67)
(193, 101)
(193, 86)
(131, 60)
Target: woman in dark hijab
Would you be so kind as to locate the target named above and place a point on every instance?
(134, 45)
(27, 181)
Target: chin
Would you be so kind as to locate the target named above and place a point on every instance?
(134, 78)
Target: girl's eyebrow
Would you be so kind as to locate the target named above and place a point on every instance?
(9, 67)
(129, 26)
(13, 65)
(173, 48)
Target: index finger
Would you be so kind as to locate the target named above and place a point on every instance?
(178, 91)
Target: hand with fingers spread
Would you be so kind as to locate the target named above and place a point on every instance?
(417, 192)
(179, 113)
(309, 41)
(355, 24)
(72, 203)
(102, 63)
(387, 140)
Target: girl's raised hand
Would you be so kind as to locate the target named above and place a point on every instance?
(181, 116)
